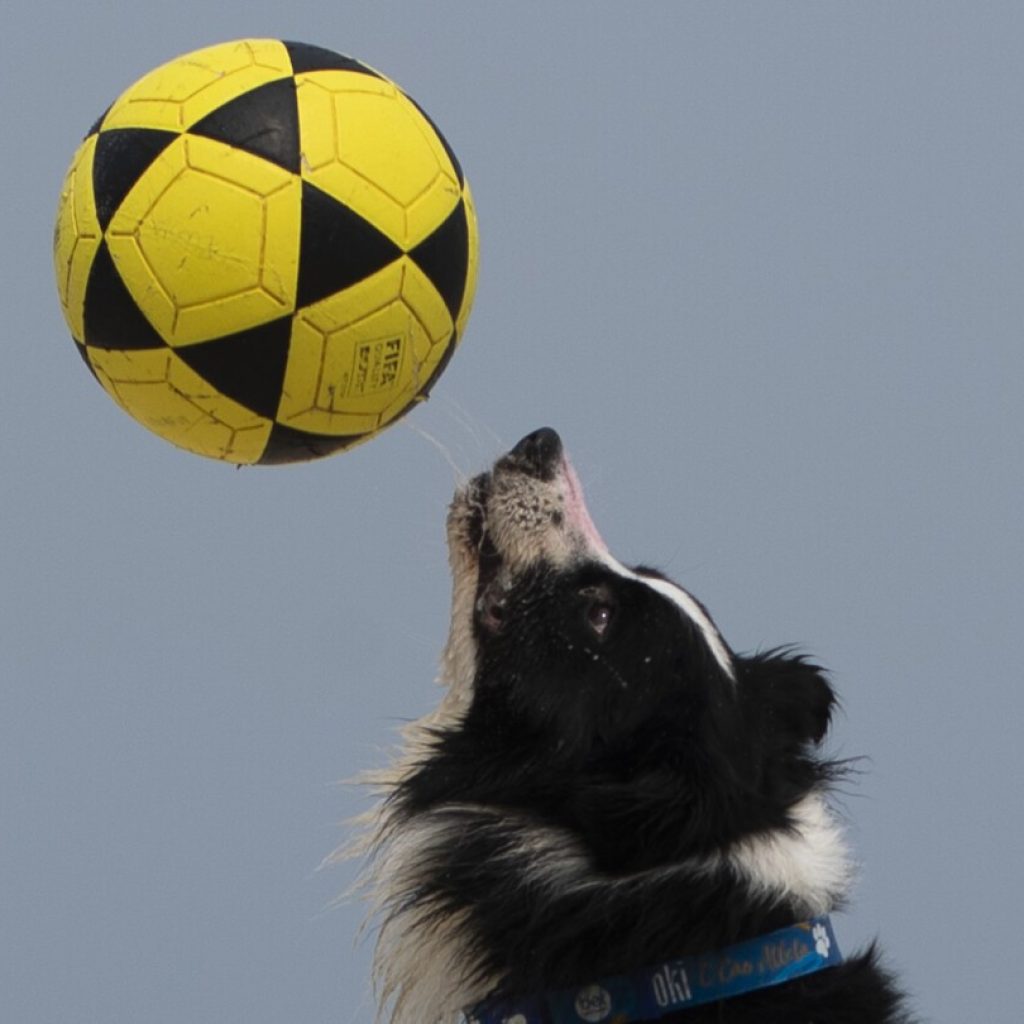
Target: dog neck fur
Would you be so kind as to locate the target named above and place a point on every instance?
(426, 967)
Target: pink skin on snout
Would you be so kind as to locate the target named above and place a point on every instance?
(576, 512)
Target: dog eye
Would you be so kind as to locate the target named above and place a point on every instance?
(491, 608)
(599, 610)
(599, 617)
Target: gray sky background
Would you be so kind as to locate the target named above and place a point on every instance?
(760, 264)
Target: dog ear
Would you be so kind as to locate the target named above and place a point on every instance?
(794, 696)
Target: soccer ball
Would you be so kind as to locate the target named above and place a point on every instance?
(265, 251)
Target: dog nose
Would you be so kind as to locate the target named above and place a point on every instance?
(538, 452)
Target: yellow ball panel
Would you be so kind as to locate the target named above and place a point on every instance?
(365, 144)
(382, 138)
(182, 91)
(316, 92)
(316, 125)
(319, 366)
(356, 356)
(76, 237)
(424, 302)
(413, 392)
(429, 339)
(472, 264)
(207, 241)
(173, 401)
(430, 209)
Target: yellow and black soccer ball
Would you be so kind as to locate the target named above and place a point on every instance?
(265, 251)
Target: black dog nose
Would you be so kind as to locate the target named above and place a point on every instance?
(538, 452)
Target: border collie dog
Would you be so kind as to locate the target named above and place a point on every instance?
(611, 816)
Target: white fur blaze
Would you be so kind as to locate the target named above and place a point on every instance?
(808, 864)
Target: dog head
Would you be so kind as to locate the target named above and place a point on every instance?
(561, 643)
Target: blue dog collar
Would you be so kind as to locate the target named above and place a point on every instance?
(653, 992)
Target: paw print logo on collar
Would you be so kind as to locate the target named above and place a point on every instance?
(822, 943)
